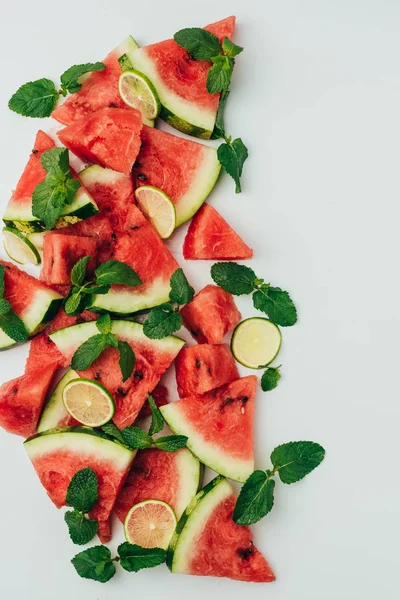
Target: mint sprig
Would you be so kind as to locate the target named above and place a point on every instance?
(134, 558)
(70, 78)
(10, 322)
(157, 420)
(82, 495)
(270, 378)
(232, 155)
(137, 439)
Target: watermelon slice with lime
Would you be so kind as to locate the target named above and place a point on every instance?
(181, 82)
(61, 252)
(19, 209)
(184, 170)
(58, 454)
(208, 542)
(210, 237)
(100, 89)
(219, 425)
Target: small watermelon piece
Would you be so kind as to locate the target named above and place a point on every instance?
(209, 237)
(54, 414)
(173, 477)
(181, 82)
(60, 453)
(100, 89)
(185, 170)
(109, 137)
(208, 542)
(219, 425)
(99, 228)
(160, 397)
(61, 252)
(204, 367)
(211, 315)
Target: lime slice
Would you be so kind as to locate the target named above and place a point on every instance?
(88, 402)
(137, 91)
(37, 239)
(158, 208)
(19, 248)
(150, 524)
(256, 342)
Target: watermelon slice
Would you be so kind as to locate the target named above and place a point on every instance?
(34, 302)
(54, 414)
(19, 209)
(208, 542)
(173, 477)
(181, 82)
(211, 315)
(153, 357)
(59, 453)
(109, 137)
(61, 252)
(209, 237)
(100, 89)
(185, 170)
(204, 367)
(219, 425)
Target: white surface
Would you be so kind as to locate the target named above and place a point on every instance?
(316, 97)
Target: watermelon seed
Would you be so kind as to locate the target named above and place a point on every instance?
(245, 553)
(134, 226)
(34, 151)
(198, 363)
(142, 177)
(112, 105)
(121, 391)
(138, 375)
(97, 375)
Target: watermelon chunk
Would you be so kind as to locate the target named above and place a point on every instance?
(59, 453)
(219, 425)
(211, 315)
(208, 542)
(185, 170)
(109, 137)
(61, 252)
(204, 367)
(181, 82)
(100, 89)
(209, 237)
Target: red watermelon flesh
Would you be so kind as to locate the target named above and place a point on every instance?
(211, 315)
(109, 137)
(61, 252)
(209, 237)
(160, 397)
(204, 367)
(99, 228)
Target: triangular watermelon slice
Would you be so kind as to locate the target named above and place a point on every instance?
(100, 89)
(219, 425)
(208, 542)
(181, 82)
(61, 252)
(209, 237)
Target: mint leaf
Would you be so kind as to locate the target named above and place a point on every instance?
(255, 500)
(157, 420)
(81, 529)
(295, 460)
(1, 281)
(219, 127)
(12, 326)
(277, 304)
(136, 438)
(78, 272)
(270, 379)
(171, 443)
(95, 289)
(47, 203)
(127, 359)
(87, 353)
(55, 158)
(232, 156)
(82, 493)
(5, 306)
(74, 302)
(200, 44)
(135, 558)
(233, 278)
(219, 76)
(69, 79)
(114, 271)
(230, 49)
(161, 322)
(181, 292)
(103, 323)
(35, 99)
(112, 430)
(95, 563)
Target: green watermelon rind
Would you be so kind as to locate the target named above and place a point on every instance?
(191, 475)
(182, 125)
(54, 411)
(124, 303)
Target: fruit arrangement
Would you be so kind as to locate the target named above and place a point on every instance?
(102, 318)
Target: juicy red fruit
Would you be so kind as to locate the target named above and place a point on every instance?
(61, 252)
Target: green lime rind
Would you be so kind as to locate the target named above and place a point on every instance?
(235, 350)
(99, 386)
(32, 255)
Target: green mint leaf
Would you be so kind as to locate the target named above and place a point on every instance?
(78, 272)
(74, 302)
(111, 429)
(5, 306)
(295, 460)
(95, 289)
(135, 558)
(103, 323)
(230, 49)
(219, 127)
(87, 353)
(157, 420)
(82, 493)
(277, 304)
(57, 159)
(270, 379)
(1, 281)
(71, 186)
(35, 99)
(12, 326)
(69, 79)
(219, 76)
(47, 203)
(161, 322)
(114, 271)
(95, 563)
(111, 339)
(233, 278)
(255, 500)
(201, 44)
(127, 359)
(136, 438)
(81, 529)
(181, 292)
(232, 157)
(171, 443)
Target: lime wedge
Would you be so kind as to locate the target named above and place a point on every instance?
(158, 208)
(137, 91)
(150, 524)
(88, 402)
(256, 342)
(19, 248)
